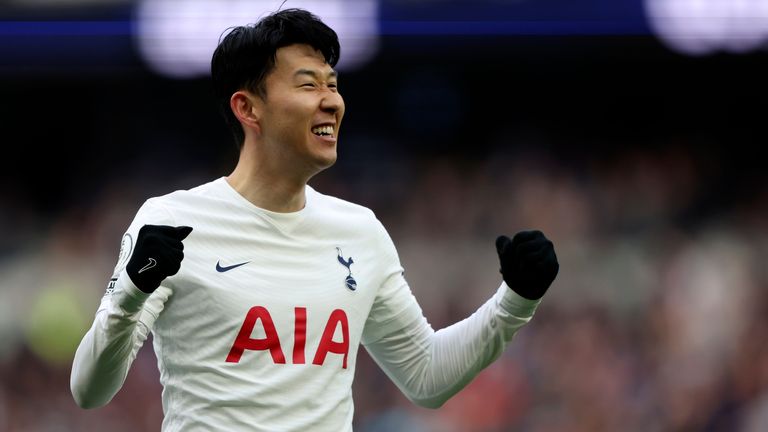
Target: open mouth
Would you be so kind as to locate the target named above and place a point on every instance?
(323, 131)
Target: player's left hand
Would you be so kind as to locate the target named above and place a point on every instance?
(528, 263)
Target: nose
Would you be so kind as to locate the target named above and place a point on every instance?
(332, 103)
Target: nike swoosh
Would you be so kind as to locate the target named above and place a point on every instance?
(221, 269)
(151, 264)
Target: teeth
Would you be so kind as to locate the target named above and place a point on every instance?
(323, 130)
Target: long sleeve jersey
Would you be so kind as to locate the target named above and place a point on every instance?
(259, 330)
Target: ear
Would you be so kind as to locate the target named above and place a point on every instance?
(247, 108)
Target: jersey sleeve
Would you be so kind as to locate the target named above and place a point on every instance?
(429, 366)
(123, 320)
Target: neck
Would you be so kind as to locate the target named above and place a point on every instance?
(266, 185)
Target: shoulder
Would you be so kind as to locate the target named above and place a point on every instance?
(345, 216)
(173, 202)
(182, 196)
(341, 208)
(207, 189)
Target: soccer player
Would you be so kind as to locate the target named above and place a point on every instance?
(259, 289)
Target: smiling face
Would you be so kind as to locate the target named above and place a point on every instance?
(302, 111)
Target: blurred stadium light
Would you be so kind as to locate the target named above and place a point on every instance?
(698, 27)
(68, 3)
(178, 37)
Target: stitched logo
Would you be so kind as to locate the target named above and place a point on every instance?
(349, 281)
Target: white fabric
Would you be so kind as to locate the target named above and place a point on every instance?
(294, 264)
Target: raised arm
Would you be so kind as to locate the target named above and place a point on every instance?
(430, 367)
(127, 311)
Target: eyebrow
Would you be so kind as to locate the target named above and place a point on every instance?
(314, 74)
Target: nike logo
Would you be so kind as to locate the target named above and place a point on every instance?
(152, 263)
(221, 269)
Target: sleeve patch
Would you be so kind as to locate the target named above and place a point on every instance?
(111, 286)
(126, 248)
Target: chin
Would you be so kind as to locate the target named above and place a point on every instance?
(325, 161)
(329, 162)
(330, 156)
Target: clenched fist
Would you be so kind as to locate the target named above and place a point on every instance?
(157, 255)
(528, 263)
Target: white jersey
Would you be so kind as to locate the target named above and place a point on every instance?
(259, 330)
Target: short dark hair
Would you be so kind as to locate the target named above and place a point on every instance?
(246, 55)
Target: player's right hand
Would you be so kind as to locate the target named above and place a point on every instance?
(157, 255)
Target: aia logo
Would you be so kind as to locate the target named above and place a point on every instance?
(271, 341)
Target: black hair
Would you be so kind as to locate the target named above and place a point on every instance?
(246, 55)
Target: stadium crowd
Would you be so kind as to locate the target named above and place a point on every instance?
(658, 320)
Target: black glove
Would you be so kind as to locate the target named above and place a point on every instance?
(157, 255)
(528, 263)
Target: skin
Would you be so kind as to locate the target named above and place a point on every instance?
(280, 153)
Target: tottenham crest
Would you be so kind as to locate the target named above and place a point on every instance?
(349, 280)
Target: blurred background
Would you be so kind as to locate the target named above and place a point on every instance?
(632, 132)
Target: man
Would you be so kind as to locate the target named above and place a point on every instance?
(274, 285)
